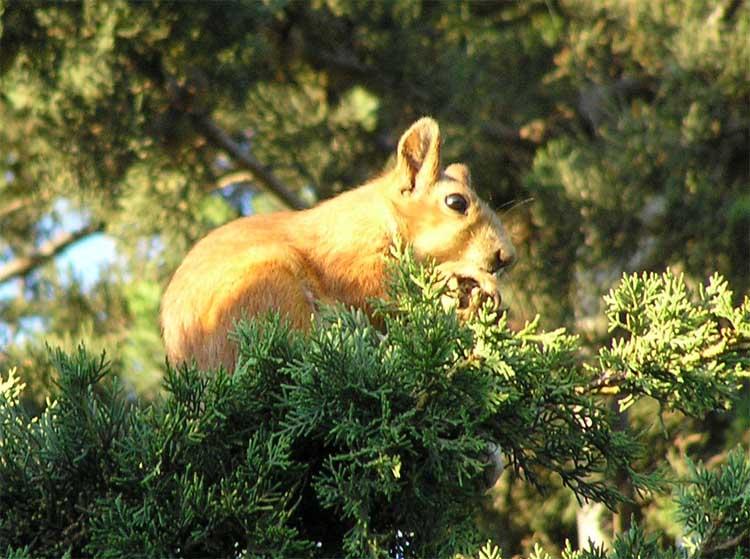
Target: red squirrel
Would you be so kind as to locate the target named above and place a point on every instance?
(337, 251)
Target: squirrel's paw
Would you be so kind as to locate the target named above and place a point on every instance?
(468, 290)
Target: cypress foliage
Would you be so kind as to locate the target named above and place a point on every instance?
(362, 441)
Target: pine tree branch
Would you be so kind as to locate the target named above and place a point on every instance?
(220, 139)
(13, 206)
(185, 98)
(607, 382)
(708, 548)
(232, 177)
(25, 264)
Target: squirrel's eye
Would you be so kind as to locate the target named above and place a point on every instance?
(456, 202)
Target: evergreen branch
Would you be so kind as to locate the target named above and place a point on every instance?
(219, 138)
(708, 550)
(233, 177)
(607, 382)
(14, 206)
(23, 265)
(317, 439)
(183, 98)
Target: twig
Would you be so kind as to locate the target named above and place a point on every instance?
(13, 206)
(708, 550)
(183, 99)
(607, 380)
(25, 264)
(219, 138)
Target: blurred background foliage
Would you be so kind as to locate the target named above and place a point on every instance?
(612, 136)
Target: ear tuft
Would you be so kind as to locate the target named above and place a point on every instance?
(418, 155)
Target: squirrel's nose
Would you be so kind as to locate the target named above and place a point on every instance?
(503, 259)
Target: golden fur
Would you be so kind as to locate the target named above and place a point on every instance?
(336, 251)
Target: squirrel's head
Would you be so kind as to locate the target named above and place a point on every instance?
(440, 214)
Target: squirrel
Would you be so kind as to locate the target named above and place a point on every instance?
(336, 251)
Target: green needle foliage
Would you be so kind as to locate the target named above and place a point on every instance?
(714, 508)
(686, 353)
(365, 441)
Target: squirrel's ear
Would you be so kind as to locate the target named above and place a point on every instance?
(418, 155)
